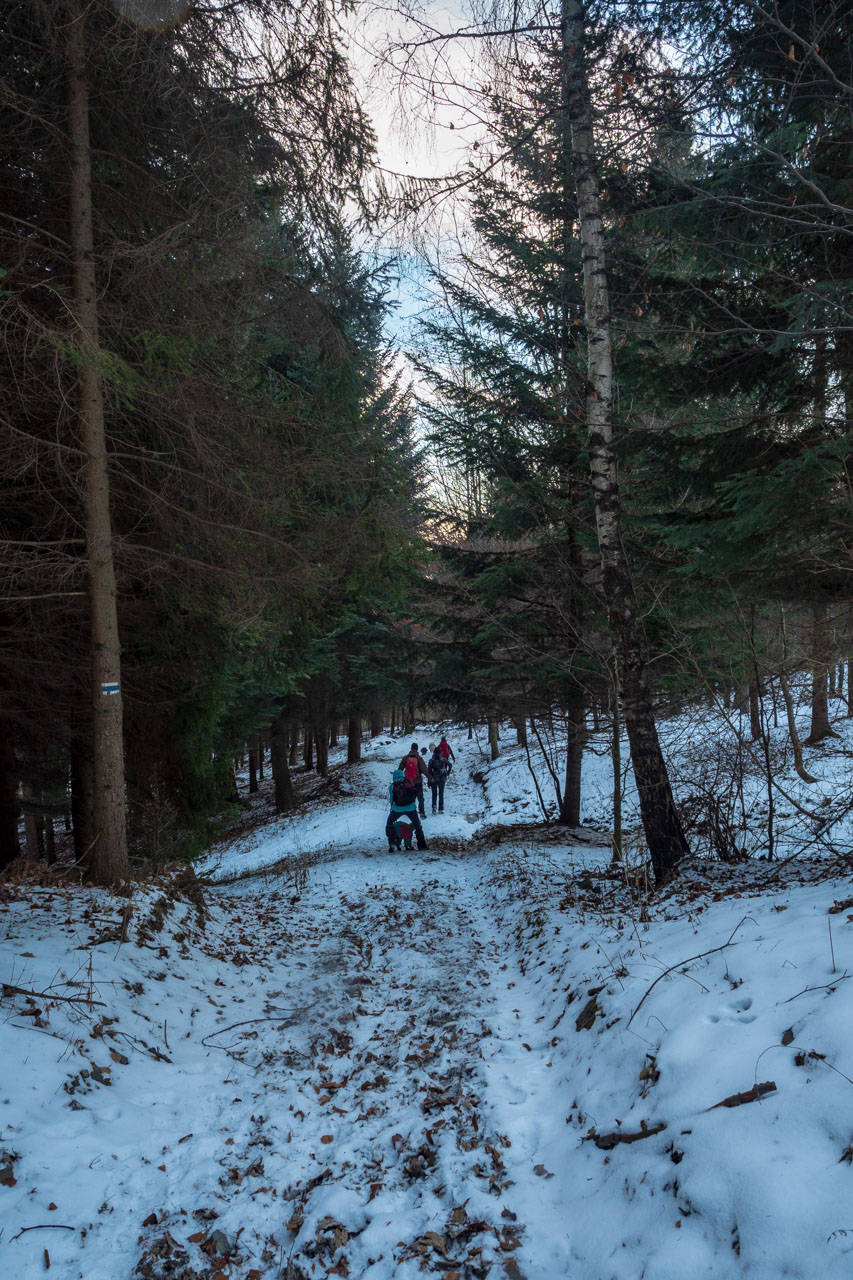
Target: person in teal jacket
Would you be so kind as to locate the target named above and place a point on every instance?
(403, 799)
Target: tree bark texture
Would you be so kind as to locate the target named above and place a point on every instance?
(308, 748)
(321, 742)
(570, 808)
(494, 749)
(754, 712)
(253, 764)
(279, 752)
(108, 861)
(9, 845)
(353, 739)
(616, 753)
(82, 787)
(820, 726)
(663, 830)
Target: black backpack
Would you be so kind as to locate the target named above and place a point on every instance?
(404, 792)
(437, 767)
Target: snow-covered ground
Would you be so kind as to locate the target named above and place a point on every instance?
(497, 1058)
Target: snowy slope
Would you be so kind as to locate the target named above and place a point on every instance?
(498, 1058)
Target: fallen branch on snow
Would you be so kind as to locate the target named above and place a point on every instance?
(750, 1095)
(682, 963)
(607, 1141)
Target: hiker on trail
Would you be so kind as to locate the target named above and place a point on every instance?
(438, 769)
(401, 833)
(403, 798)
(446, 750)
(415, 769)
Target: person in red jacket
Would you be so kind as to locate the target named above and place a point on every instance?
(415, 769)
(445, 750)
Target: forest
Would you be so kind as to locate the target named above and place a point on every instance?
(612, 478)
(539, 437)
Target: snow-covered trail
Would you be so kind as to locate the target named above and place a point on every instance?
(426, 1098)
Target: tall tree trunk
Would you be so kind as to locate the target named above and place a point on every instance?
(321, 742)
(262, 746)
(520, 723)
(308, 748)
(253, 764)
(493, 738)
(849, 689)
(754, 712)
(333, 733)
(279, 752)
(664, 834)
(49, 839)
(570, 807)
(108, 860)
(293, 755)
(375, 722)
(9, 846)
(616, 753)
(820, 726)
(353, 739)
(82, 785)
(33, 842)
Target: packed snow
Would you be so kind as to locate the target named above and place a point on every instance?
(501, 1056)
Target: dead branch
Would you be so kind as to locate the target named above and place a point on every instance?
(750, 1095)
(607, 1141)
(8, 990)
(681, 964)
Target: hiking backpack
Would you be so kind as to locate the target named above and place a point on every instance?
(411, 769)
(404, 792)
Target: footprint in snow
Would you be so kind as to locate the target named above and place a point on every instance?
(737, 1011)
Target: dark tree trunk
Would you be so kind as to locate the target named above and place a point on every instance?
(754, 712)
(308, 748)
(353, 739)
(470, 731)
(108, 860)
(410, 722)
(520, 723)
(570, 806)
(376, 722)
(9, 846)
(279, 752)
(616, 751)
(664, 834)
(49, 839)
(293, 755)
(820, 726)
(262, 747)
(321, 741)
(82, 783)
(253, 764)
(849, 689)
(33, 838)
(333, 734)
(494, 749)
